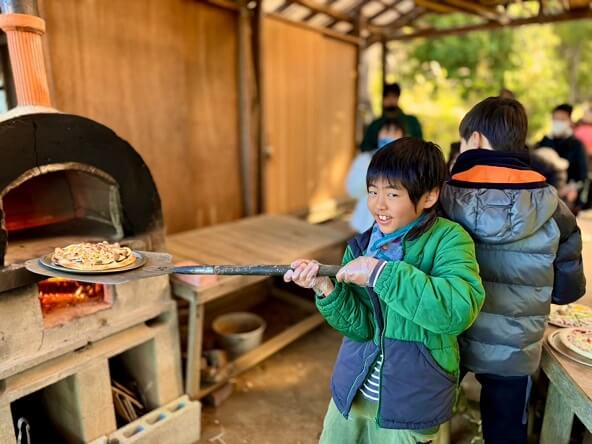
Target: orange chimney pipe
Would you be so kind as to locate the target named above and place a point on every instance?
(25, 47)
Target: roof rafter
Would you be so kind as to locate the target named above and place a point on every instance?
(476, 8)
(384, 9)
(432, 32)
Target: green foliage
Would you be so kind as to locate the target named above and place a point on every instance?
(443, 77)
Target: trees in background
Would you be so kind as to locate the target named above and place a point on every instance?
(443, 77)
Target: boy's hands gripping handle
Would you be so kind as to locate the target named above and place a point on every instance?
(310, 274)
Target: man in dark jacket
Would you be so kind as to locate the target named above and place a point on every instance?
(562, 140)
(529, 252)
(390, 106)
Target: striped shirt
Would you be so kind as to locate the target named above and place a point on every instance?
(371, 387)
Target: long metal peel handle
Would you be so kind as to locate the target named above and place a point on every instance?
(249, 270)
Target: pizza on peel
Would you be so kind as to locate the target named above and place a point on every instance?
(88, 256)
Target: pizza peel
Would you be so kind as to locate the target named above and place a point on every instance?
(158, 264)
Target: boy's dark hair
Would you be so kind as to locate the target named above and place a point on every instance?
(502, 121)
(565, 107)
(412, 163)
(416, 165)
(391, 88)
(393, 122)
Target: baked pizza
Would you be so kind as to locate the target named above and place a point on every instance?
(571, 315)
(88, 256)
(578, 340)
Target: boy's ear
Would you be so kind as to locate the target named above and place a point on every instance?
(431, 198)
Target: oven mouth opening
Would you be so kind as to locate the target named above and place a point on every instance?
(67, 202)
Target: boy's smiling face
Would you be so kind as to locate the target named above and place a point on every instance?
(391, 206)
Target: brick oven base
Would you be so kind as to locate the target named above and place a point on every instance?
(26, 341)
(76, 387)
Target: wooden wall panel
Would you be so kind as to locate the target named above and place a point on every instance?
(310, 86)
(162, 74)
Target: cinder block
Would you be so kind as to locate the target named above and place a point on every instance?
(156, 364)
(6, 426)
(81, 406)
(179, 422)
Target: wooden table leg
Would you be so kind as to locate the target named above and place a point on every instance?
(557, 420)
(194, 340)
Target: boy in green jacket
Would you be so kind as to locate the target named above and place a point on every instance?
(409, 286)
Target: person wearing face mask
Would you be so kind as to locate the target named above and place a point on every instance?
(391, 130)
(562, 140)
(390, 110)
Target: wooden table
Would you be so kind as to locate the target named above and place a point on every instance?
(570, 383)
(266, 239)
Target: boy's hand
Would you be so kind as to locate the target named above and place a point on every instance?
(358, 271)
(304, 273)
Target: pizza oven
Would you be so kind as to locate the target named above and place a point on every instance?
(63, 179)
(65, 344)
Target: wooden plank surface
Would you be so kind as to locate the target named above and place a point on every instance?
(272, 239)
(163, 75)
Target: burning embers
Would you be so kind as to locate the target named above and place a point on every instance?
(59, 293)
(64, 299)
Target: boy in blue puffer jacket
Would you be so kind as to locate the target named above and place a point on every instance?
(529, 252)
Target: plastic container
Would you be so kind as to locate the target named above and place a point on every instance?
(239, 332)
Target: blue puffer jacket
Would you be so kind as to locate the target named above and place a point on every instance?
(529, 251)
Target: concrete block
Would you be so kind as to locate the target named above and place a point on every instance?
(179, 422)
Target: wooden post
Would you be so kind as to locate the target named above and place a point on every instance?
(244, 110)
(360, 78)
(258, 62)
(558, 418)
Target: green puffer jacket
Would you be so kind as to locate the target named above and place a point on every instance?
(413, 316)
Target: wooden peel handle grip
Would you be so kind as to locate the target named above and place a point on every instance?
(249, 270)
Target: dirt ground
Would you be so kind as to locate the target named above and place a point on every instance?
(284, 399)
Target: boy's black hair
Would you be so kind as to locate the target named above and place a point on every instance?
(393, 122)
(502, 121)
(391, 88)
(565, 107)
(416, 165)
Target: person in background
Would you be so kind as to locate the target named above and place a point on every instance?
(562, 140)
(530, 255)
(392, 129)
(390, 110)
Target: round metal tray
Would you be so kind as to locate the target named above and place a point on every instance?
(46, 261)
(555, 342)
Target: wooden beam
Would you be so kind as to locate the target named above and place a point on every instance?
(482, 11)
(396, 24)
(327, 10)
(384, 9)
(311, 14)
(432, 32)
(325, 31)
(579, 4)
(436, 6)
(225, 4)
(283, 6)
